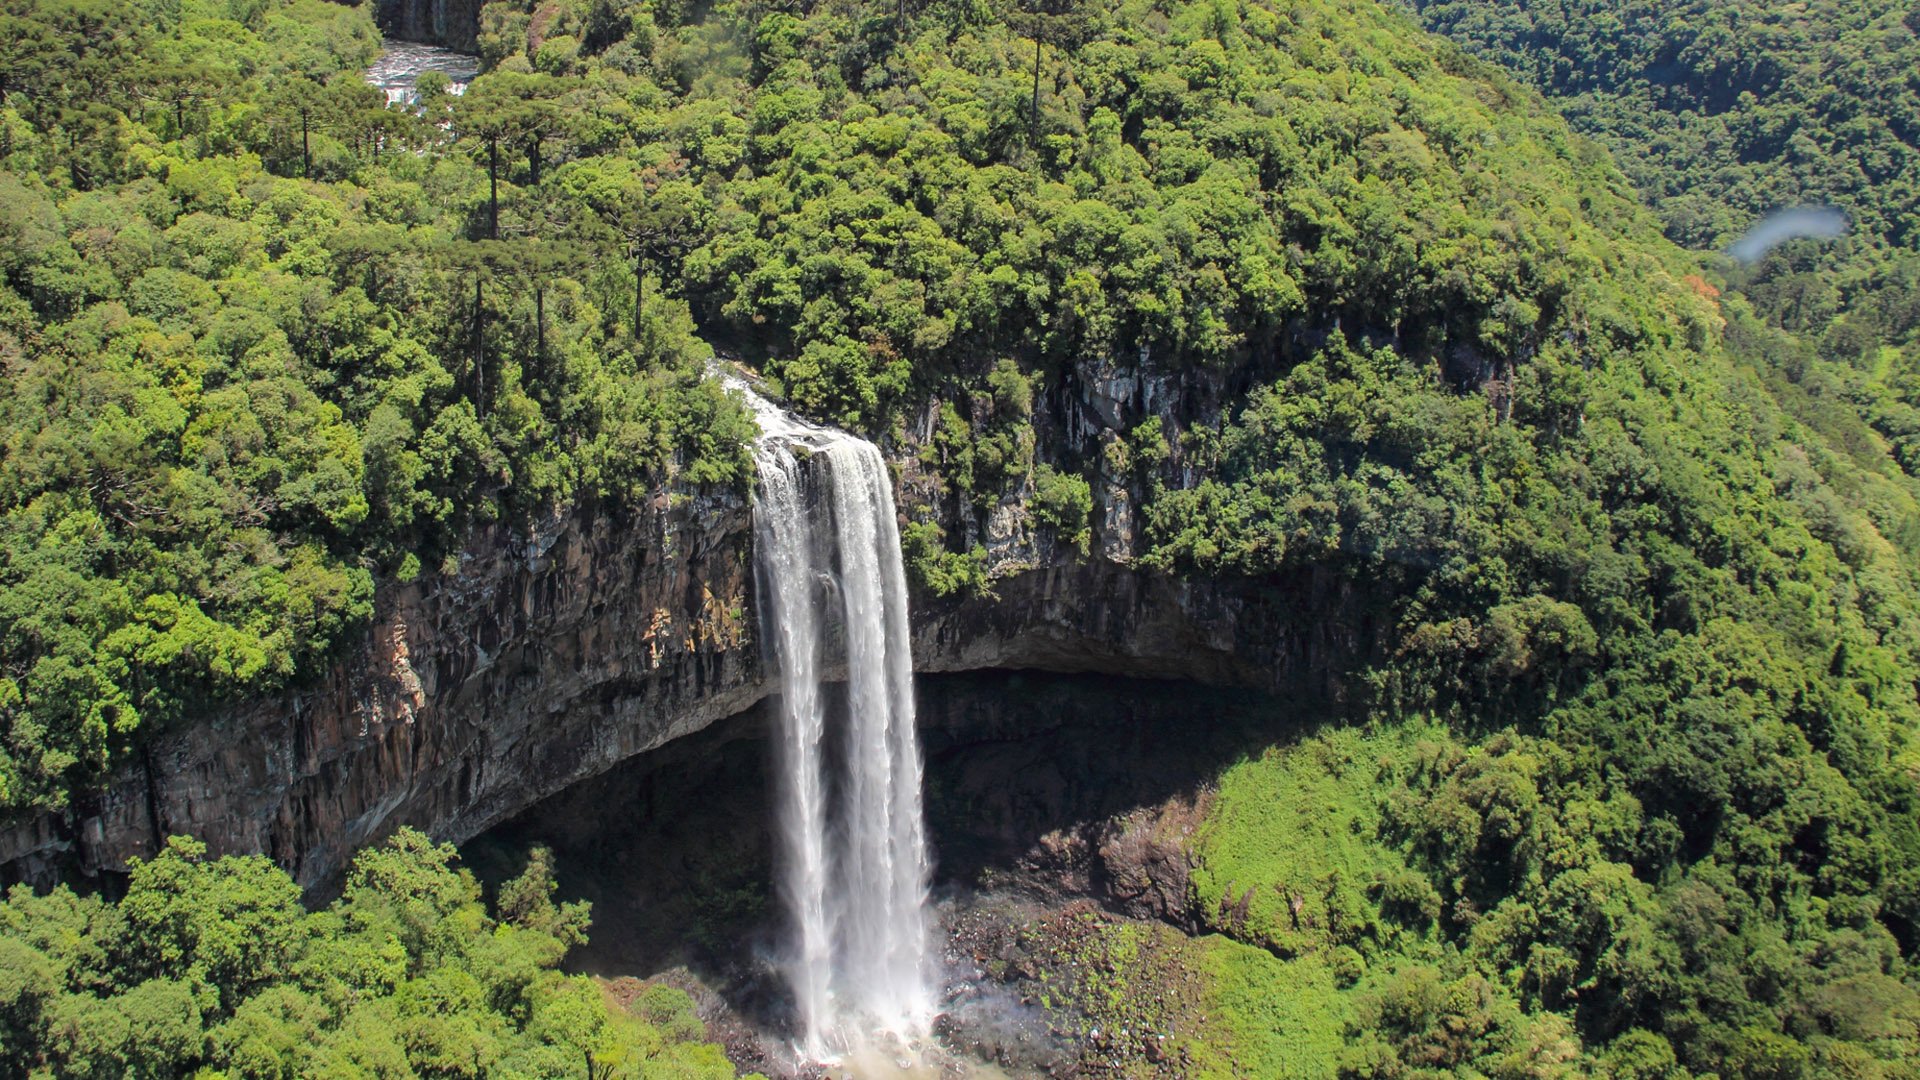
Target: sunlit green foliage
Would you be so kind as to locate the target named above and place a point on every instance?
(1493, 906)
(267, 342)
(1706, 650)
(1666, 629)
(1724, 110)
(262, 349)
(875, 212)
(212, 968)
(1204, 177)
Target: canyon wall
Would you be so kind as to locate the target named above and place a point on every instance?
(550, 656)
(558, 651)
(452, 23)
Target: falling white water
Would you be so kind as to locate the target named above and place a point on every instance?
(853, 863)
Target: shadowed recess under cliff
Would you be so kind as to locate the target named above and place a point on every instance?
(675, 849)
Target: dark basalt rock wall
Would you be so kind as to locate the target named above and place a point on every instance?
(1075, 786)
(1296, 635)
(547, 659)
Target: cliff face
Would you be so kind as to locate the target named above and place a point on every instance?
(452, 23)
(554, 655)
(548, 658)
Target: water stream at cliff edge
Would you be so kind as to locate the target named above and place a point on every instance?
(853, 870)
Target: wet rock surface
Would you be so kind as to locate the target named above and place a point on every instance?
(1069, 989)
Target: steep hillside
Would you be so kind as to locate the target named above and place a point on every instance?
(1722, 111)
(1620, 776)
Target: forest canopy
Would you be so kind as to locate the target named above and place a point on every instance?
(267, 341)
(211, 968)
(1634, 762)
(274, 341)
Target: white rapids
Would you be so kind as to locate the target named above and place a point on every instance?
(401, 64)
(853, 866)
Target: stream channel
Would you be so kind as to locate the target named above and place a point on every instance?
(401, 63)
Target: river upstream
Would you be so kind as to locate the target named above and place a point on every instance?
(402, 62)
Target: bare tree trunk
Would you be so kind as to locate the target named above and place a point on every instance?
(1035, 136)
(479, 351)
(639, 296)
(493, 187)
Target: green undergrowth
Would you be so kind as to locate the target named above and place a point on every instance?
(1405, 900)
(211, 968)
(1300, 824)
(1265, 1016)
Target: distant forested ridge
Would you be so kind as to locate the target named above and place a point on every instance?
(1628, 788)
(1722, 111)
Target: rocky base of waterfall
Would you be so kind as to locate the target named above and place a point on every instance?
(1060, 810)
(1068, 989)
(1034, 990)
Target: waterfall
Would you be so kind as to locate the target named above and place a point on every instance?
(853, 866)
